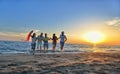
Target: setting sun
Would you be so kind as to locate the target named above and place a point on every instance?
(94, 37)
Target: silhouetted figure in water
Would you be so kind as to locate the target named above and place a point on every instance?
(54, 41)
(33, 43)
(63, 39)
(46, 44)
(39, 41)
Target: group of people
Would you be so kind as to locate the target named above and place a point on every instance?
(43, 40)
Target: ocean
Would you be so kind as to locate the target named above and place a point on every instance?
(10, 47)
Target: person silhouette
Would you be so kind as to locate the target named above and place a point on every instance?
(39, 41)
(33, 43)
(63, 39)
(46, 44)
(54, 41)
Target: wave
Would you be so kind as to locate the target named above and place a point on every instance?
(25, 47)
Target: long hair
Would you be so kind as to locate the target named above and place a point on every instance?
(34, 34)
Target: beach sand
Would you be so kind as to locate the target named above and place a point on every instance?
(61, 63)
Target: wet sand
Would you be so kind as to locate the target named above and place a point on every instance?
(61, 63)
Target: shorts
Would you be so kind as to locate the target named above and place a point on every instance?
(46, 45)
(61, 43)
(33, 45)
(39, 44)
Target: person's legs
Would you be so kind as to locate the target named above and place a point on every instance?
(44, 47)
(47, 46)
(33, 51)
(40, 46)
(40, 49)
(54, 46)
(61, 46)
(33, 47)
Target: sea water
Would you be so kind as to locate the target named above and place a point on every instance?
(25, 47)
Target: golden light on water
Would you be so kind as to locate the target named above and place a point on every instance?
(94, 37)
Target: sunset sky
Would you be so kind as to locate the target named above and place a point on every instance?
(75, 17)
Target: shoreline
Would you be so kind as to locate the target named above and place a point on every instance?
(42, 52)
(77, 63)
(37, 52)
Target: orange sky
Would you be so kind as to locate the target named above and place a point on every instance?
(110, 28)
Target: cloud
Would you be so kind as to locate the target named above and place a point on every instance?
(113, 22)
(12, 36)
(36, 31)
(15, 36)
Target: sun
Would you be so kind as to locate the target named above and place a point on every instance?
(94, 37)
